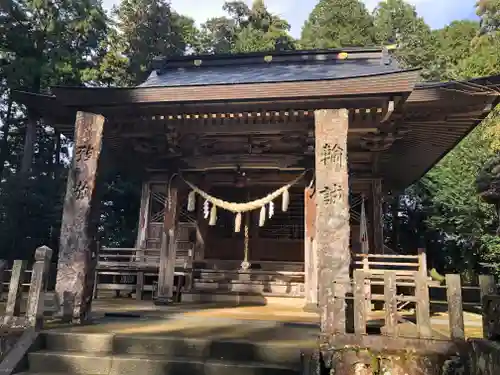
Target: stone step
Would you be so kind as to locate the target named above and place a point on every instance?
(289, 289)
(100, 364)
(239, 298)
(253, 275)
(172, 347)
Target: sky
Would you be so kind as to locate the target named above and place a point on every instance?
(437, 13)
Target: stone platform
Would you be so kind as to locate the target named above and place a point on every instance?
(132, 337)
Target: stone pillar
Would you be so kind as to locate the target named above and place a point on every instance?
(377, 219)
(168, 250)
(332, 215)
(39, 277)
(310, 251)
(77, 249)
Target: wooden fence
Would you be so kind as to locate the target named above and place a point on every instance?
(34, 312)
(354, 296)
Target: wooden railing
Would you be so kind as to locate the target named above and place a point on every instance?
(353, 293)
(136, 269)
(35, 304)
(402, 264)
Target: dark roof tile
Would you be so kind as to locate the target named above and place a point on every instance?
(282, 68)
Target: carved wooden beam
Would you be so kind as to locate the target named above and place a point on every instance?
(274, 161)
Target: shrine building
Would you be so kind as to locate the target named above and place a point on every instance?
(263, 173)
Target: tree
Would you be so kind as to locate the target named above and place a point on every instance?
(488, 182)
(247, 29)
(217, 36)
(338, 23)
(263, 31)
(459, 226)
(453, 46)
(489, 11)
(457, 212)
(150, 29)
(42, 44)
(397, 22)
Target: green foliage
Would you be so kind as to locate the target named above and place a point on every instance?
(396, 21)
(42, 43)
(457, 212)
(217, 36)
(453, 47)
(49, 42)
(150, 29)
(489, 11)
(444, 207)
(488, 180)
(247, 29)
(338, 23)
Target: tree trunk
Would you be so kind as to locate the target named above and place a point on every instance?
(5, 147)
(30, 136)
(395, 223)
(29, 145)
(498, 217)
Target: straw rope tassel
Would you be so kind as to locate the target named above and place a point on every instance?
(213, 215)
(262, 217)
(237, 222)
(191, 201)
(206, 209)
(271, 209)
(285, 201)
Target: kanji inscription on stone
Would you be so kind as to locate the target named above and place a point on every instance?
(81, 189)
(332, 155)
(83, 152)
(331, 194)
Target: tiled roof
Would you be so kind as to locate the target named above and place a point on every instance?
(292, 67)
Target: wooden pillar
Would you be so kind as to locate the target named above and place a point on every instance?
(310, 251)
(15, 296)
(332, 213)
(201, 231)
(455, 307)
(29, 143)
(142, 231)
(143, 216)
(377, 219)
(77, 249)
(168, 250)
(35, 305)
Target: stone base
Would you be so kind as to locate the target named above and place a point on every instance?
(311, 307)
(163, 301)
(239, 298)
